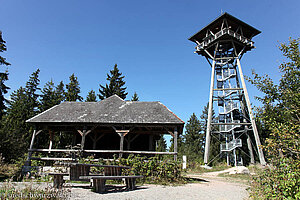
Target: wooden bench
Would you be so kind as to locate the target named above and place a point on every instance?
(58, 179)
(80, 169)
(99, 181)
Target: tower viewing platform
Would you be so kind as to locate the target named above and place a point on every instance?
(226, 28)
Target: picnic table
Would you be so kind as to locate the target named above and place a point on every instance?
(81, 172)
(99, 181)
(81, 169)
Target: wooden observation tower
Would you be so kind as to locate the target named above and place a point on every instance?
(223, 43)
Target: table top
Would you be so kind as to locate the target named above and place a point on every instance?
(95, 165)
(108, 177)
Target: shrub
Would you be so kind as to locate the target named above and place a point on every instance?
(282, 181)
(153, 169)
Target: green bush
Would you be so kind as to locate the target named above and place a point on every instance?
(282, 181)
(153, 169)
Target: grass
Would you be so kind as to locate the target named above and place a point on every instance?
(7, 171)
(11, 191)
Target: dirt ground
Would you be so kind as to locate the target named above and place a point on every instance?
(208, 187)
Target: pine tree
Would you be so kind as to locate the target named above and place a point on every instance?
(73, 89)
(13, 128)
(161, 145)
(60, 93)
(48, 97)
(193, 138)
(115, 86)
(31, 90)
(2, 49)
(135, 97)
(3, 77)
(91, 97)
(15, 132)
(3, 91)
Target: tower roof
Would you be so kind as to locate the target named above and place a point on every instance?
(233, 23)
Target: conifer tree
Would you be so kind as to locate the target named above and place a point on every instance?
(115, 86)
(161, 145)
(73, 89)
(15, 132)
(3, 77)
(48, 97)
(31, 90)
(135, 97)
(193, 138)
(91, 97)
(60, 92)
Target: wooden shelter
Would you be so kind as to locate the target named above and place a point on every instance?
(107, 127)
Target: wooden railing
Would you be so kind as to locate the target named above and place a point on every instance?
(210, 38)
(89, 151)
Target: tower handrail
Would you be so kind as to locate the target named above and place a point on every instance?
(210, 38)
(229, 146)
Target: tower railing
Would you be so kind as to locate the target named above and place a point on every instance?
(210, 38)
(229, 146)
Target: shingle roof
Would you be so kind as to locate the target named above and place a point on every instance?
(110, 110)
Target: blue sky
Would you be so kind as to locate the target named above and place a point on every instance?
(147, 39)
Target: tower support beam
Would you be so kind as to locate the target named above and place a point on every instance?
(254, 128)
(210, 111)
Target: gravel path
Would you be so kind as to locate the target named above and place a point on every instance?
(212, 189)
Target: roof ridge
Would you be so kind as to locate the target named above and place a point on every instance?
(113, 96)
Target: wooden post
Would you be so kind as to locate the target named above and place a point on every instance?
(210, 109)
(254, 128)
(51, 141)
(121, 144)
(150, 142)
(252, 161)
(128, 142)
(122, 134)
(83, 138)
(175, 142)
(35, 133)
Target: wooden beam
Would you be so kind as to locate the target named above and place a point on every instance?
(175, 143)
(255, 132)
(38, 132)
(121, 144)
(52, 150)
(103, 151)
(54, 159)
(80, 132)
(171, 133)
(34, 134)
(83, 139)
(51, 140)
(209, 115)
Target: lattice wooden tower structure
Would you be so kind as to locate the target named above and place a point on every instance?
(223, 43)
